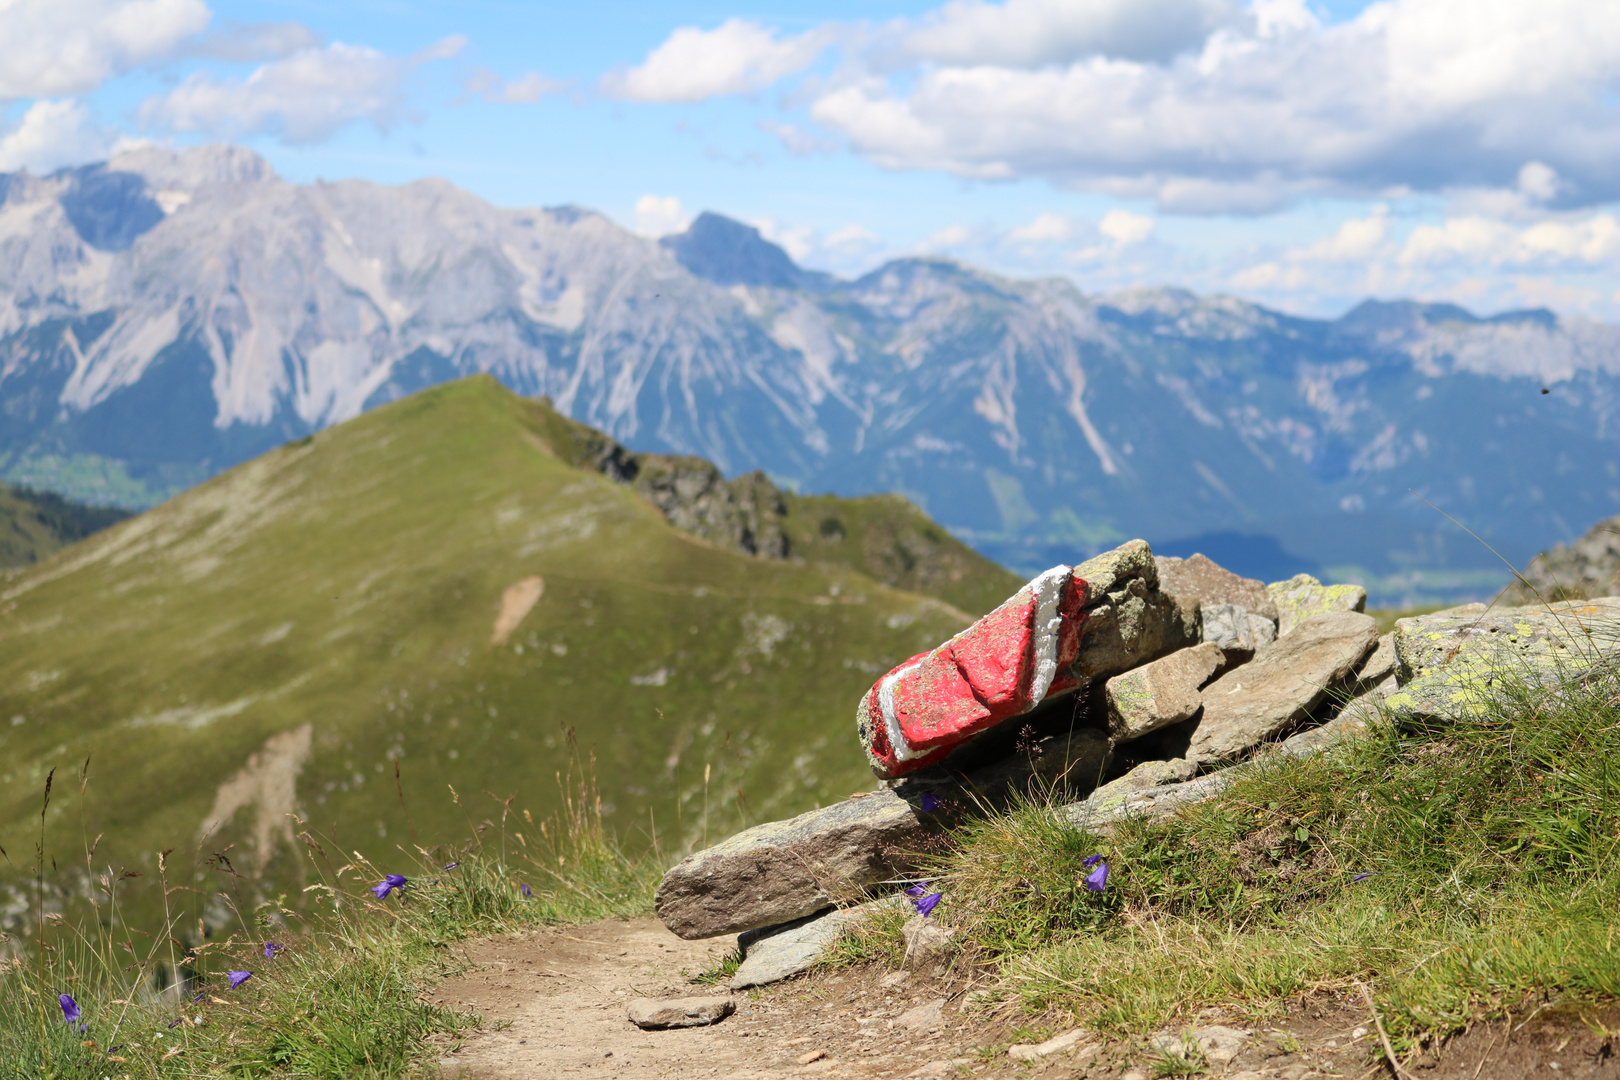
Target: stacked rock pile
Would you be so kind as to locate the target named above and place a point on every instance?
(1130, 684)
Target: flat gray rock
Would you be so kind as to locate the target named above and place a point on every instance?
(1129, 619)
(1160, 693)
(1235, 629)
(656, 1013)
(1285, 681)
(1149, 774)
(782, 871)
(778, 952)
(1301, 597)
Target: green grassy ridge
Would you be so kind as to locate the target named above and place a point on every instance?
(36, 524)
(351, 581)
(1491, 855)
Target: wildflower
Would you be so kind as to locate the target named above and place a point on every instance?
(388, 885)
(926, 904)
(271, 948)
(917, 889)
(237, 978)
(1361, 877)
(1097, 880)
(451, 865)
(931, 802)
(70, 1009)
(528, 893)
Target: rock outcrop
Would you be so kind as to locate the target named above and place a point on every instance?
(1587, 568)
(1161, 693)
(1302, 596)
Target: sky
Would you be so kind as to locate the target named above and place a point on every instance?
(1301, 154)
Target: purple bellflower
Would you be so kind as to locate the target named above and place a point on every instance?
(917, 890)
(271, 948)
(528, 893)
(1361, 877)
(927, 904)
(931, 802)
(451, 865)
(1097, 880)
(388, 885)
(237, 978)
(70, 1010)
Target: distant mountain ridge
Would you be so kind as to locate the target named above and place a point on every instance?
(167, 314)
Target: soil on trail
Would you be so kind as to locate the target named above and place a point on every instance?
(554, 1004)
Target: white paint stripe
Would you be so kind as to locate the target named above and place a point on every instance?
(1048, 594)
(897, 742)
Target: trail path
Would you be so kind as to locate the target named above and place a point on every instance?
(554, 1004)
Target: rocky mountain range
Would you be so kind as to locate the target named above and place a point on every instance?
(168, 314)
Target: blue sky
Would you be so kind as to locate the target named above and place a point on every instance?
(1300, 154)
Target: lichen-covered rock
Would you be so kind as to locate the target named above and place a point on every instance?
(1376, 675)
(786, 870)
(1236, 630)
(1450, 664)
(1285, 681)
(774, 953)
(1065, 627)
(1211, 583)
(1162, 692)
(1148, 774)
(1302, 596)
(1588, 567)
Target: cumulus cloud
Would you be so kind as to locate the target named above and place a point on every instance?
(737, 57)
(53, 134)
(1035, 33)
(303, 98)
(525, 90)
(1584, 241)
(53, 48)
(1202, 105)
(660, 215)
(252, 43)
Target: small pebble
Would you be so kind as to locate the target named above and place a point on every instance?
(814, 1055)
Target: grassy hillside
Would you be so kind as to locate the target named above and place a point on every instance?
(275, 640)
(36, 524)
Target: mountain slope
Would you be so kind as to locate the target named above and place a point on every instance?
(35, 524)
(434, 584)
(168, 314)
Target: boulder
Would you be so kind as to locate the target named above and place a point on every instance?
(1211, 583)
(655, 1013)
(786, 870)
(1064, 628)
(1376, 675)
(1149, 774)
(1235, 630)
(1285, 681)
(777, 952)
(1450, 663)
(1302, 596)
(1160, 693)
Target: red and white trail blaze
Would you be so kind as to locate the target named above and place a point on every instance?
(1000, 667)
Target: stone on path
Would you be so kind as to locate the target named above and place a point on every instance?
(929, 946)
(1211, 583)
(925, 1017)
(775, 953)
(1057, 1044)
(1218, 1044)
(785, 870)
(656, 1013)
(1236, 630)
(1449, 663)
(1302, 596)
(1066, 626)
(1285, 681)
(1160, 693)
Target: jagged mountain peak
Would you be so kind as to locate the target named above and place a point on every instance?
(727, 252)
(193, 167)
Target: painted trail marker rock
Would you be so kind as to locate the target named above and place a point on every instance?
(1066, 626)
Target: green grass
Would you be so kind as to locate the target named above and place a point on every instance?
(1490, 848)
(350, 582)
(36, 524)
(342, 996)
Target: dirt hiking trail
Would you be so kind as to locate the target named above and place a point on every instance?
(554, 1004)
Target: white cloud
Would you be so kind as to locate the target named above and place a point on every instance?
(737, 57)
(1044, 229)
(522, 91)
(1035, 33)
(799, 143)
(50, 48)
(303, 98)
(53, 134)
(660, 215)
(1124, 227)
(1590, 241)
(1201, 105)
